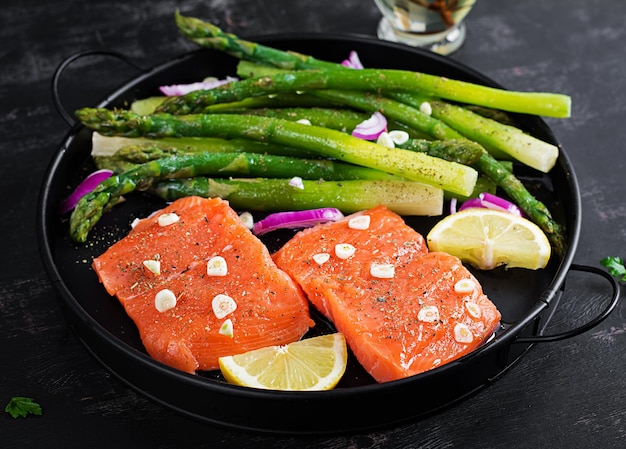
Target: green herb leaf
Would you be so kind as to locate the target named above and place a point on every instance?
(615, 267)
(21, 406)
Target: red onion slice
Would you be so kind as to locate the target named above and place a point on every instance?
(489, 201)
(296, 219)
(175, 90)
(85, 187)
(371, 128)
(353, 61)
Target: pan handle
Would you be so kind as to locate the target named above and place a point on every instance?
(69, 60)
(592, 323)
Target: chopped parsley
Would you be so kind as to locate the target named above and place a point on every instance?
(615, 267)
(21, 406)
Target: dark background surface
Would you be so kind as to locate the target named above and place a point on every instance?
(567, 394)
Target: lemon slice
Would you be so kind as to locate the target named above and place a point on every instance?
(316, 363)
(487, 238)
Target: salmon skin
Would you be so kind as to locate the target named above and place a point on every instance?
(403, 310)
(230, 297)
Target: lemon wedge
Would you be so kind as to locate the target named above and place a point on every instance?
(487, 238)
(315, 363)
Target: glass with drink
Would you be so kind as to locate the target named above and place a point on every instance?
(433, 24)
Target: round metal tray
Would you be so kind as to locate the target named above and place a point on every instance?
(525, 298)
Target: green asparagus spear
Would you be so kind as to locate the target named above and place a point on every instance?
(493, 114)
(90, 208)
(341, 119)
(461, 151)
(210, 36)
(148, 105)
(282, 100)
(495, 137)
(538, 103)
(456, 178)
(502, 176)
(111, 146)
(334, 118)
(398, 112)
(372, 80)
(403, 197)
(130, 154)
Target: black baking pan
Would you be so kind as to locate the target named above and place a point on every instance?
(527, 299)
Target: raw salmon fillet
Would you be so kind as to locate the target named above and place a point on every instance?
(432, 310)
(270, 308)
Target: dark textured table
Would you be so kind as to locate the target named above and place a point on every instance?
(566, 394)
